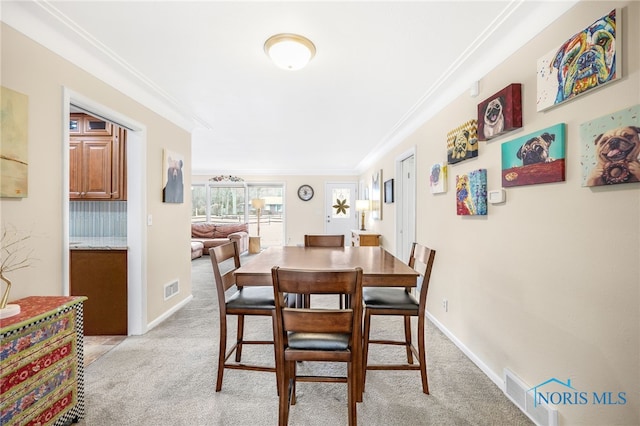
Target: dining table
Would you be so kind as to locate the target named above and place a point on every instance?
(379, 269)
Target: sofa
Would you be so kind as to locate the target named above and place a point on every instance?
(205, 235)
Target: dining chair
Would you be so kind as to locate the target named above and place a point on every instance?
(323, 240)
(245, 301)
(400, 302)
(317, 334)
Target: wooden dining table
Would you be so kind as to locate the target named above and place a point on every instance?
(379, 269)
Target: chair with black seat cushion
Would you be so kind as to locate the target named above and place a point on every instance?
(400, 302)
(323, 240)
(247, 300)
(318, 334)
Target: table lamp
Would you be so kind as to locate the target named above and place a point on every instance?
(362, 206)
(258, 204)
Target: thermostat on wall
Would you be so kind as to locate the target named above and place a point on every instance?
(498, 196)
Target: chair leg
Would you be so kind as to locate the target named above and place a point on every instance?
(284, 398)
(422, 355)
(407, 338)
(365, 347)
(222, 352)
(352, 394)
(239, 337)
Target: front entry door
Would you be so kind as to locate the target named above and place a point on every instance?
(340, 209)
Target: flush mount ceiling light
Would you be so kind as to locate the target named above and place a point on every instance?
(289, 51)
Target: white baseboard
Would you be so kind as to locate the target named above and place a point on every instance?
(170, 312)
(495, 378)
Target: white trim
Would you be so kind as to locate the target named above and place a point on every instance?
(168, 313)
(136, 206)
(495, 378)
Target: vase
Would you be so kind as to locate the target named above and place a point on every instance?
(7, 310)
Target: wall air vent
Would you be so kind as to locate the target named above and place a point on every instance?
(171, 289)
(541, 414)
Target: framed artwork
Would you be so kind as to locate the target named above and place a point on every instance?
(173, 185)
(438, 178)
(500, 113)
(388, 191)
(611, 148)
(376, 195)
(462, 142)
(14, 165)
(586, 61)
(535, 158)
(471, 193)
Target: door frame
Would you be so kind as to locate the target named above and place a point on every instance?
(403, 204)
(136, 151)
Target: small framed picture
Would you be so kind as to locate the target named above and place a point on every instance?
(388, 191)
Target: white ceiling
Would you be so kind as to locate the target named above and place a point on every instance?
(381, 69)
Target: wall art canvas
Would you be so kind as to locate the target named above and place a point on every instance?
(14, 165)
(586, 61)
(376, 195)
(462, 142)
(388, 191)
(538, 157)
(611, 148)
(500, 113)
(471, 193)
(173, 189)
(438, 178)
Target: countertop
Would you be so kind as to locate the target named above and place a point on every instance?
(98, 243)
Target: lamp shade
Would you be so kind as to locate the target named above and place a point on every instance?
(289, 51)
(257, 203)
(362, 205)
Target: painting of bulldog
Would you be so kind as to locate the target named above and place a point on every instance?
(586, 61)
(500, 113)
(535, 158)
(611, 148)
(462, 142)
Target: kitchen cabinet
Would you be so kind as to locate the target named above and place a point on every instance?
(42, 362)
(364, 238)
(101, 276)
(96, 159)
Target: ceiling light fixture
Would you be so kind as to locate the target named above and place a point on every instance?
(289, 51)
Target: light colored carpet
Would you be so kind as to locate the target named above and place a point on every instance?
(167, 377)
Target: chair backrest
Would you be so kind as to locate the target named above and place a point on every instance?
(421, 259)
(224, 269)
(324, 240)
(318, 320)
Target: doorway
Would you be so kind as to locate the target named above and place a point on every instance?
(406, 204)
(340, 209)
(136, 210)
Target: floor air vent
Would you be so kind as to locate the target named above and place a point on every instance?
(541, 413)
(171, 289)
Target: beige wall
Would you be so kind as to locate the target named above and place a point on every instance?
(30, 69)
(548, 284)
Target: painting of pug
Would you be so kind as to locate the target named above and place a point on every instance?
(535, 158)
(500, 113)
(462, 142)
(611, 148)
(585, 61)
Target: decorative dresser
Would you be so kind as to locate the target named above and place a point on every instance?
(42, 355)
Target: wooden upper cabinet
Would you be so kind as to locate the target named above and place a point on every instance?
(96, 162)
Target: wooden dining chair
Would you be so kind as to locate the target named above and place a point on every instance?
(323, 240)
(400, 302)
(247, 300)
(318, 334)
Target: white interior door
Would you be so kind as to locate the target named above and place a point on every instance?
(406, 206)
(340, 209)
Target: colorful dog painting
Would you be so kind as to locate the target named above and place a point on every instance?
(587, 60)
(462, 142)
(471, 193)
